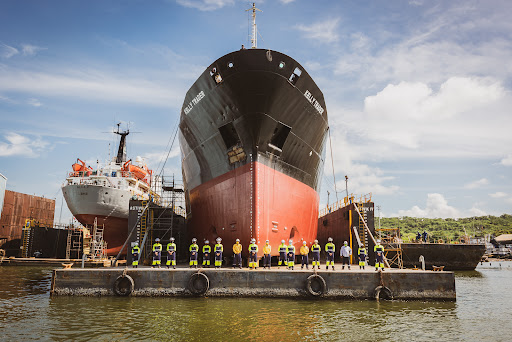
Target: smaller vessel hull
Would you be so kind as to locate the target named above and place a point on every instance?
(453, 257)
(108, 205)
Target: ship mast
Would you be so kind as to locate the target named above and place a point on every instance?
(121, 152)
(254, 38)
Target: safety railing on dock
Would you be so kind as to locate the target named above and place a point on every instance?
(345, 202)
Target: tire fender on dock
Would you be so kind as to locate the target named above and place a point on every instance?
(315, 285)
(382, 292)
(198, 284)
(123, 285)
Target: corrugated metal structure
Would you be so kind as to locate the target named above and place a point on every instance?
(17, 209)
(3, 183)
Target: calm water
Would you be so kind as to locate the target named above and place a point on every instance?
(482, 312)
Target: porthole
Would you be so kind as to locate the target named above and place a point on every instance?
(230, 64)
(281, 65)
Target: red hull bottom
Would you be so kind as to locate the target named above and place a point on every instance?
(115, 233)
(254, 201)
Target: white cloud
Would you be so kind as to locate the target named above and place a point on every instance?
(30, 50)
(19, 145)
(93, 84)
(507, 161)
(410, 119)
(324, 31)
(205, 5)
(498, 194)
(34, 102)
(7, 51)
(437, 207)
(286, 1)
(476, 184)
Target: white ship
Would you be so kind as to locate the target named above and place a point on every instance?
(104, 193)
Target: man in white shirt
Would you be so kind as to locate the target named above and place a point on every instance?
(345, 253)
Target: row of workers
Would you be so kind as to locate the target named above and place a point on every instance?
(286, 254)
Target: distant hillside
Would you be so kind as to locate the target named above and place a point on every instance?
(449, 229)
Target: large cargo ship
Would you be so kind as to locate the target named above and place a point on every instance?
(252, 135)
(104, 194)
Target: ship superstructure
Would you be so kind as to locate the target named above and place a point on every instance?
(104, 193)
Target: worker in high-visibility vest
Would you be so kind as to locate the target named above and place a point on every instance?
(267, 249)
(157, 253)
(253, 254)
(283, 254)
(304, 251)
(218, 250)
(171, 253)
(135, 254)
(315, 251)
(379, 256)
(291, 255)
(237, 254)
(330, 248)
(193, 249)
(207, 249)
(361, 252)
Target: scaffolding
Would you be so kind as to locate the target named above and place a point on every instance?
(391, 240)
(98, 245)
(74, 242)
(162, 220)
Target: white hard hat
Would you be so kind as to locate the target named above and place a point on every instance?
(207, 242)
(378, 240)
(316, 241)
(135, 243)
(219, 239)
(282, 241)
(172, 239)
(290, 241)
(157, 239)
(329, 239)
(267, 241)
(194, 240)
(345, 242)
(237, 240)
(253, 240)
(303, 242)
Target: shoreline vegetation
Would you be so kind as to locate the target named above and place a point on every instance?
(448, 230)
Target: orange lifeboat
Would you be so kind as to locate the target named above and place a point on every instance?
(80, 169)
(140, 172)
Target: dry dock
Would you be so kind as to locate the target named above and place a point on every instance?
(353, 284)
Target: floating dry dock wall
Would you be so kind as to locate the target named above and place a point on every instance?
(354, 284)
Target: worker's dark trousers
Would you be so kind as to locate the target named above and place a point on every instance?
(253, 257)
(345, 260)
(237, 260)
(291, 258)
(266, 260)
(316, 258)
(218, 257)
(282, 258)
(305, 260)
(193, 256)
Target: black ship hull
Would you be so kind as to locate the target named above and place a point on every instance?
(257, 111)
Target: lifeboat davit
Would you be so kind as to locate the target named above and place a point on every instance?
(80, 166)
(140, 172)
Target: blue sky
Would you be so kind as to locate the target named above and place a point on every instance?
(417, 92)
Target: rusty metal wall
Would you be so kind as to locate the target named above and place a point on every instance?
(19, 207)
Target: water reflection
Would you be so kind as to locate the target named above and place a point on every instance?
(27, 312)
